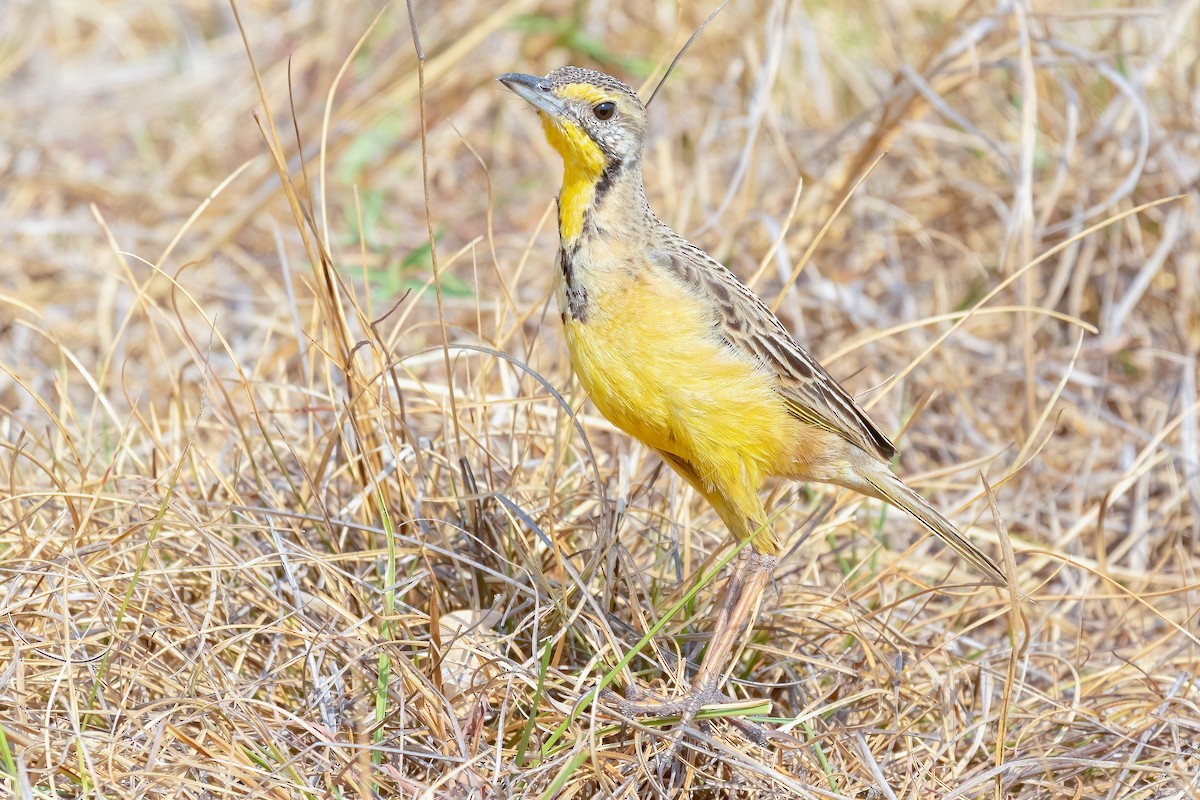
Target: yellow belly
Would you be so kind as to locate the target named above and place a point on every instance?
(648, 356)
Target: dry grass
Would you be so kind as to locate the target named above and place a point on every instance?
(263, 535)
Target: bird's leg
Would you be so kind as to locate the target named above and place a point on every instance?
(739, 605)
(739, 601)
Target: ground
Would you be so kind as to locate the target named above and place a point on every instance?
(300, 498)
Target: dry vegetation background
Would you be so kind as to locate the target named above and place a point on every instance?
(263, 535)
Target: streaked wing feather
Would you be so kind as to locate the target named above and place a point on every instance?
(812, 395)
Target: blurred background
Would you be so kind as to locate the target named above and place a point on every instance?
(287, 508)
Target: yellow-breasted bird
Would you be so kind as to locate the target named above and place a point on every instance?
(679, 353)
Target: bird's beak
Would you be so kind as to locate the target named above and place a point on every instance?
(536, 91)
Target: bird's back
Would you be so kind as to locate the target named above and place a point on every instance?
(747, 327)
(651, 352)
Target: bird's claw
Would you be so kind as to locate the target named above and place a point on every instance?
(638, 703)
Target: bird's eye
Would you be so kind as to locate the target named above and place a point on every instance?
(605, 110)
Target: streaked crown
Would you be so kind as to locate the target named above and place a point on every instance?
(582, 107)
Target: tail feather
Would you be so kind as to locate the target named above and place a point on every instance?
(894, 491)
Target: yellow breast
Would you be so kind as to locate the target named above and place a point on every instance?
(648, 355)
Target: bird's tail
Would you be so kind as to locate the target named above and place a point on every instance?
(893, 490)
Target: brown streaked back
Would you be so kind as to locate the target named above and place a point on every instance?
(812, 395)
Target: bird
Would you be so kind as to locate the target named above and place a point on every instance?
(676, 351)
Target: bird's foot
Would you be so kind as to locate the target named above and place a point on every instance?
(703, 702)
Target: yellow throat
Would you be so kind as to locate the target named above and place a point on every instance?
(583, 164)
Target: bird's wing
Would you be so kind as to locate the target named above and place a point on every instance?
(812, 395)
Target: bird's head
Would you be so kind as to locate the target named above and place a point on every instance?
(595, 122)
